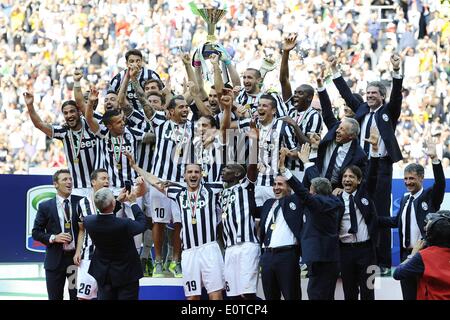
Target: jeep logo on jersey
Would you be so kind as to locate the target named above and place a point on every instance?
(34, 197)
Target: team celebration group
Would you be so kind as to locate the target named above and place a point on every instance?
(245, 183)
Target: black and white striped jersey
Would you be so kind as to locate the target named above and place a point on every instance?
(309, 120)
(111, 155)
(80, 149)
(237, 204)
(144, 75)
(271, 139)
(174, 148)
(252, 101)
(87, 208)
(212, 159)
(198, 213)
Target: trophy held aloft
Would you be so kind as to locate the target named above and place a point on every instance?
(211, 16)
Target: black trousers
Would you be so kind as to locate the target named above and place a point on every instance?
(130, 291)
(322, 280)
(56, 279)
(355, 271)
(409, 286)
(280, 274)
(382, 198)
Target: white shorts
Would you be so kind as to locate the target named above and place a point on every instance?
(241, 268)
(82, 192)
(86, 284)
(161, 208)
(202, 266)
(262, 194)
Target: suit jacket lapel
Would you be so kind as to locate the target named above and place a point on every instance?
(54, 212)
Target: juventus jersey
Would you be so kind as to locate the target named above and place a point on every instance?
(144, 75)
(80, 148)
(111, 154)
(198, 213)
(237, 204)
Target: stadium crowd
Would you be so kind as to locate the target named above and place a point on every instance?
(41, 42)
(273, 147)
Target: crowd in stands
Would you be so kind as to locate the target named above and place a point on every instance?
(42, 41)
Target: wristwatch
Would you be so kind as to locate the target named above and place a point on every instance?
(52, 238)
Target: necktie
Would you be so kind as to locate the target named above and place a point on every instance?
(270, 229)
(353, 221)
(332, 162)
(367, 134)
(67, 214)
(408, 223)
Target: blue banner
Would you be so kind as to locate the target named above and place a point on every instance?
(21, 194)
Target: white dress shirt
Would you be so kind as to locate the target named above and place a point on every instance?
(342, 153)
(281, 235)
(61, 214)
(382, 152)
(363, 232)
(415, 234)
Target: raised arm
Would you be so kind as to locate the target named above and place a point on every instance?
(148, 109)
(37, 121)
(342, 86)
(218, 81)
(78, 94)
(196, 95)
(395, 100)
(252, 168)
(150, 178)
(122, 96)
(437, 195)
(325, 102)
(227, 102)
(91, 121)
(288, 44)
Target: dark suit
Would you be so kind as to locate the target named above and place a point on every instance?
(429, 201)
(115, 263)
(280, 270)
(386, 120)
(57, 261)
(355, 155)
(356, 258)
(319, 241)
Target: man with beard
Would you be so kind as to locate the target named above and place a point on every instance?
(202, 261)
(114, 139)
(80, 143)
(133, 58)
(250, 95)
(132, 117)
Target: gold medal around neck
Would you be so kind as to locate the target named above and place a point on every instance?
(119, 166)
(272, 226)
(76, 161)
(194, 221)
(67, 225)
(204, 173)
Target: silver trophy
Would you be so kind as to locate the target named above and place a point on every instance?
(211, 16)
